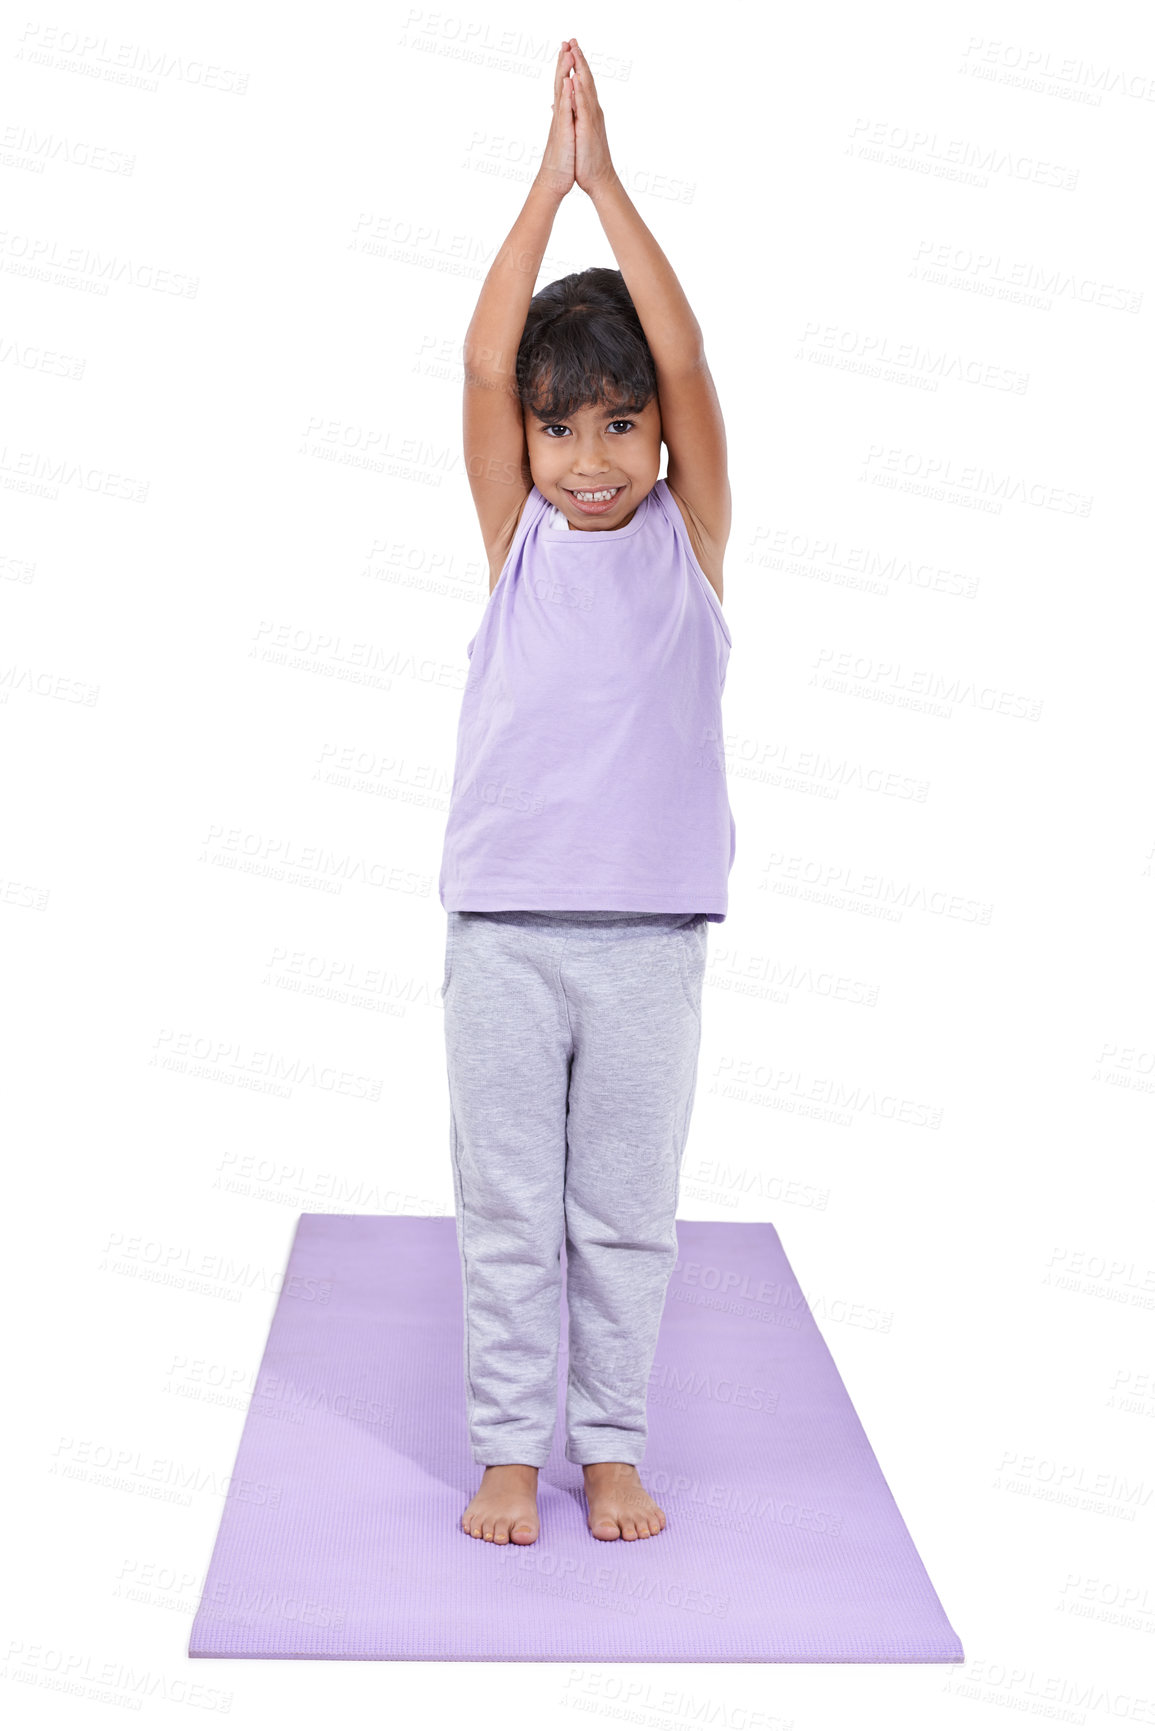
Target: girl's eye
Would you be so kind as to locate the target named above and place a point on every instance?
(558, 427)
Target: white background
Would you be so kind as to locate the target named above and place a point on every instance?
(240, 566)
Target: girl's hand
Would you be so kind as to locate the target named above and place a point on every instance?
(592, 164)
(558, 157)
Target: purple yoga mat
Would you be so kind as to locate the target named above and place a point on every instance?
(341, 1536)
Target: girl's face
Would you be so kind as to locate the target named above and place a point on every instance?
(593, 452)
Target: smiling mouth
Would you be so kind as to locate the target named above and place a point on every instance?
(593, 495)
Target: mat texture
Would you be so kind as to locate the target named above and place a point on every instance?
(341, 1536)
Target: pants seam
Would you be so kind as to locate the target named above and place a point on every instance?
(471, 1396)
(565, 1006)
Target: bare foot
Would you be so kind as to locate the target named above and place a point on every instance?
(619, 1505)
(505, 1506)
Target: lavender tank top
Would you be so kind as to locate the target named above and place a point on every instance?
(591, 769)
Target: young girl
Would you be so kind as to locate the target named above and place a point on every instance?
(589, 838)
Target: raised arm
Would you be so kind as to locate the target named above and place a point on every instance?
(692, 424)
(495, 451)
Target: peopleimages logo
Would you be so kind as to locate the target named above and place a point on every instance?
(501, 794)
(636, 1588)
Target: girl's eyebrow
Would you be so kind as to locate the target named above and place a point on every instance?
(614, 414)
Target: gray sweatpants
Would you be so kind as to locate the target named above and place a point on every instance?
(572, 1046)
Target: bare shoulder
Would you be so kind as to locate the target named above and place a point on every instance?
(497, 549)
(708, 550)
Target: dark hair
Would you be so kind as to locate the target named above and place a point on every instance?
(583, 342)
